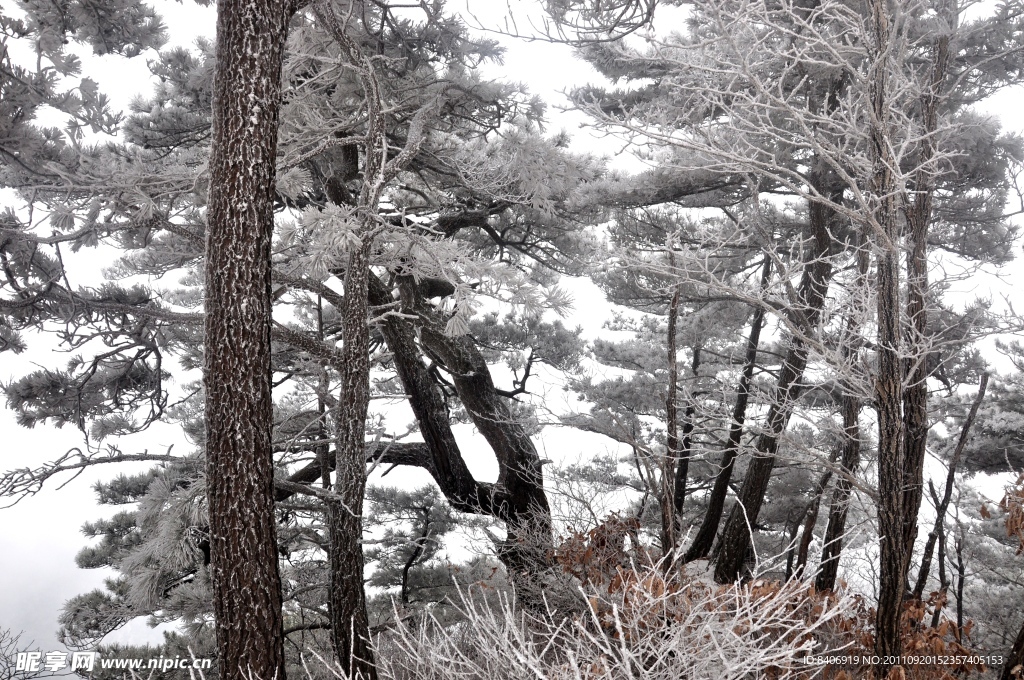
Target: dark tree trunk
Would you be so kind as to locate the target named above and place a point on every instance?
(1013, 668)
(735, 540)
(349, 624)
(810, 519)
(836, 528)
(521, 501)
(850, 411)
(236, 372)
(702, 542)
(672, 461)
(942, 505)
(685, 449)
(915, 398)
(901, 395)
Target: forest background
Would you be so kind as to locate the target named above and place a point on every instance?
(952, 364)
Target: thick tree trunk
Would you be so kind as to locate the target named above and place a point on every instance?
(236, 372)
(735, 540)
(901, 390)
(702, 542)
(889, 382)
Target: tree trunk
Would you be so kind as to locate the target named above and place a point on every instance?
(836, 528)
(810, 519)
(943, 505)
(685, 449)
(349, 624)
(901, 392)
(672, 460)
(702, 542)
(521, 501)
(735, 540)
(236, 372)
(850, 410)
(915, 398)
(1013, 668)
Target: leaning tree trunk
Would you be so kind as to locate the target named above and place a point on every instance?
(814, 283)
(850, 406)
(702, 542)
(236, 371)
(941, 506)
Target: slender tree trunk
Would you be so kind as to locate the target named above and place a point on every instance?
(702, 542)
(943, 579)
(810, 519)
(349, 624)
(685, 448)
(672, 458)
(236, 373)
(915, 399)
(836, 528)
(942, 505)
(850, 412)
(735, 539)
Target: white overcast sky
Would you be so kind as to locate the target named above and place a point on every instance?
(42, 534)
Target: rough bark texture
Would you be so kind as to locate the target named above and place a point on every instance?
(349, 624)
(889, 381)
(735, 539)
(705, 538)
(236, 375)
(919, 215)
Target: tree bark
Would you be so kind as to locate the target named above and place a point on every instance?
(240, 480)
(850, 408)
(350, 627)
(943, 505)
(735, 539)
(919, 214)
(672, 459)
(702, 542)
(520, 500)
(810, 519)
(836, 528)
